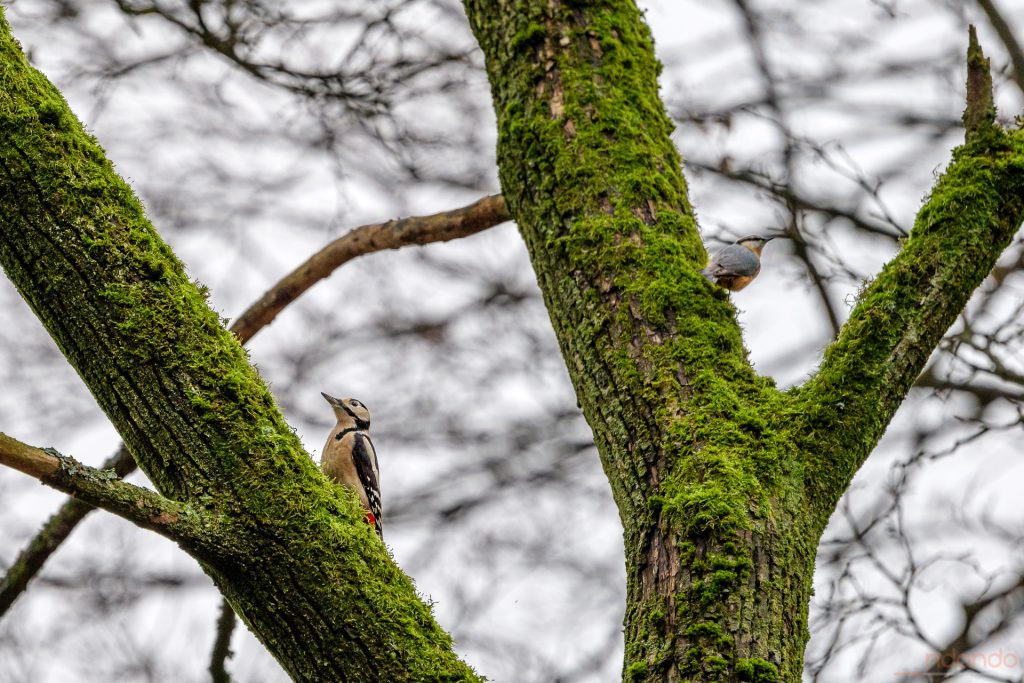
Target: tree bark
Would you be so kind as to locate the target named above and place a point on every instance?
(291, 552)
(723, 483)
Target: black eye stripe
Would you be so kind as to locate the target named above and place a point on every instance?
(360, 422)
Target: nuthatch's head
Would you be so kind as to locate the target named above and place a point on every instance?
(349, 411)
(755, 243)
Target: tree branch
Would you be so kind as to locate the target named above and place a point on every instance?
(1005, 33)
(54, 532)
(222, 644)
(970, 218)
(299, 564)
(686, 431)
(948, 658)
(439, 227)
(980, 112)
(103, 489)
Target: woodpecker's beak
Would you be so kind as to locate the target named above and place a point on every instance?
(330, 399)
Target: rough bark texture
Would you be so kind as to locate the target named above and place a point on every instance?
(480, 215)
(723, 483)
(299, 565)
(54, 532)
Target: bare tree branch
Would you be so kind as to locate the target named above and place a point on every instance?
(1005, 33)
(222, 644)
(438, 227)
(950, 656)
(103, 489)
(781, 120)
(54, 532)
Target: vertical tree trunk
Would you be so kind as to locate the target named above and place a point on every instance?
(723, 483)
(718, 567)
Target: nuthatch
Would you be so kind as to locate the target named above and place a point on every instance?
(734, 266)
(349, 458)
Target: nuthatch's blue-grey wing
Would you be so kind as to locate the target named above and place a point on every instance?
(733, 261)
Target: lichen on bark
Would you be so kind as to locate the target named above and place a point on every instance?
(300, 566)
(723, 483)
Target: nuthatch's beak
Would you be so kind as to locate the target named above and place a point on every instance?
(330, 399)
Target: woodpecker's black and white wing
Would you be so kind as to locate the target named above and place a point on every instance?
(365, 459)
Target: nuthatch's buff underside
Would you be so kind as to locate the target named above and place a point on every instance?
(736, 265)
(349, 459)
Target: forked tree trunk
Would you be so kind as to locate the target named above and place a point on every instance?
(723, 483)
(289, 550)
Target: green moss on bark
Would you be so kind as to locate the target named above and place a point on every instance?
(971, 216)
(722, 482)
(300, 566)
(756, 671)
(683, 425)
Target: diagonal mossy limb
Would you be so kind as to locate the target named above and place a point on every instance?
(300, 567)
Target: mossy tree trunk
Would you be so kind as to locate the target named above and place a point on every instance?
(289, 550)
(724, 484)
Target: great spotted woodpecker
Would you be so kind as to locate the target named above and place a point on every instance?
(349, 459)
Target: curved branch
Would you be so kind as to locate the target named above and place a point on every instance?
(103, 489)
(439, 227)
(52, 534)
(298, 564)
(948, 656)
(1005, 33)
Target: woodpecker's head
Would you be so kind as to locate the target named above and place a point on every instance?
(349, 411)
(755, 243)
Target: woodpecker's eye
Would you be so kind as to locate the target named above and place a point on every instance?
(356, 403)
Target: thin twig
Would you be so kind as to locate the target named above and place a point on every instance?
(949, 660)
(1005, 33)
(222, 644)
